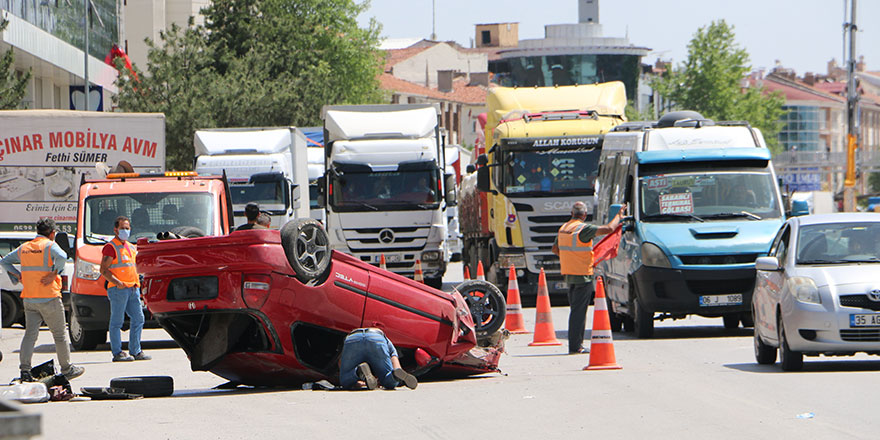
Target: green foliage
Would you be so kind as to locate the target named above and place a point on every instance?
(256, 63)
(874, 182)
(633, 114)
(12, 85)
(711, 80)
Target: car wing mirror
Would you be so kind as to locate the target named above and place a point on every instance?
(767, 263)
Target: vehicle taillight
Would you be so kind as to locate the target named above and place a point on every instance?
(255, 290)
(330, 189)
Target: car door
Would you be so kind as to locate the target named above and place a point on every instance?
(768, 287)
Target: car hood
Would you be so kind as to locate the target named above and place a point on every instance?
(711, 237)
(867, 274)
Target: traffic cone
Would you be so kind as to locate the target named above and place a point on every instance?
(514, 322)
(418, 276)
(382, 262)
(480, 274)
(601, 345)
(544, 332)
(467, 273)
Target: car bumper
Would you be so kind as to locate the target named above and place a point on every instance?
(820, 329)
(678, 291)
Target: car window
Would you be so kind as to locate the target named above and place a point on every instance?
(838, 243)
(782, 248)
(776, 241)
(8, 245)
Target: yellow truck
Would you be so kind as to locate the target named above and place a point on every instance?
(543, 146)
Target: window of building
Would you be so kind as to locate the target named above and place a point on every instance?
(486, 37)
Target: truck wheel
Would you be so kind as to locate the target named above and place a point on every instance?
(487, 306)
(613, 318)
(307, 248)
(188, 231)
(82, 339)
(644, 321)
(10, 308)
(148, 386)
(731, 321)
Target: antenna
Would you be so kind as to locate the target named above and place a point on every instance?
(434, 20)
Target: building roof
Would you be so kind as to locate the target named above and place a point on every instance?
(461, 91)
(835, 88)
(394, 56)
(796, 90)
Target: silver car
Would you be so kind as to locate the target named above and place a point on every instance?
(818, 291)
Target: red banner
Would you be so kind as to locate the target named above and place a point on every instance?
(607, 246)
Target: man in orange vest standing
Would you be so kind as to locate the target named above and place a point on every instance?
(574, 246)
(119, 268)
(42, 262)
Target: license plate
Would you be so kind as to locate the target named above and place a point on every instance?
(867, 320)
(392, 258)
(560, 285)
(733, 299)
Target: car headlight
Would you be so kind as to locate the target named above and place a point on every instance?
(653, 256)
(804, 290)
(430, 255)
(87, 271)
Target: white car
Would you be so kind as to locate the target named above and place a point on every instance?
(11, 308)
(818, 291)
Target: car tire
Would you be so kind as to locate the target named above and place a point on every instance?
(731, 321)
(10, 307)
(307, 249)
(82, 339)
(643, 321)
(613, 318)
(486, 304)
(148, 386)
(790, 360)
(764, 354)
(188, 231)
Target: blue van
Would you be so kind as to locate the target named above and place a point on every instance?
(704, 204)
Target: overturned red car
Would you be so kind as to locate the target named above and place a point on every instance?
(269, 307)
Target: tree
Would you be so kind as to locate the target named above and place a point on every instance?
(12, 85)
(256, 63)
(711, 82)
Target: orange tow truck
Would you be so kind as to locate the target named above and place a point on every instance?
(179, 203)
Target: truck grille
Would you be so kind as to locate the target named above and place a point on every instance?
(860, 335)
(718, 259)
(860, 301)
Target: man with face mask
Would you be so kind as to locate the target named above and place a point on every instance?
(119, 268)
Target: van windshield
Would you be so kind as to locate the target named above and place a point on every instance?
(708, 196)
(395, 190)
(270, 192)
(550, 172)
(149, 213)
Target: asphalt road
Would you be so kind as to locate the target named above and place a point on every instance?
(694, 380)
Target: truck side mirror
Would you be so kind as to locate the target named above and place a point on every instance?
(63, 241)
(451, 199)
(322, 199)
(483, 179)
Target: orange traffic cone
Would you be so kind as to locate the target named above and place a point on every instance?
(480, 274)
(601, 345)
(467, 273)
(514, 322)
(418, 276)
(544, 332)
(382, 262)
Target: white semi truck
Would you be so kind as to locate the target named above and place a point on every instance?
(267, 166)
(316, 171)
(384, 186)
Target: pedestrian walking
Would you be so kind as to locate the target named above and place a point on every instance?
(369, 359)
(574, 246)
(119, 268)
(42, 262)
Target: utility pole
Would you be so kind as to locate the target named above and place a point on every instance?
(86, 50)
(852, 117)
(433, 20)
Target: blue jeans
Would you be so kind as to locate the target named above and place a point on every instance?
(122, 302)
(374, 349)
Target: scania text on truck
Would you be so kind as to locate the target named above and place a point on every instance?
(180, 203)
(543, 146)
(385, 187)
(267, 166)
(705, 204)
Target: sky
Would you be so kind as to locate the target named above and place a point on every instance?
(802, 34)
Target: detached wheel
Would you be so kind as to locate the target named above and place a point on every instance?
(82, 339)
(790, 360)
(10, 309)
(487, 305)
(307, 248)
(149, 386)
(188, 232)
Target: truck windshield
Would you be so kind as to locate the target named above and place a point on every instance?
(550, 172)
(373, 191)
(708, 196)
(263, 193)
(149, 213)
